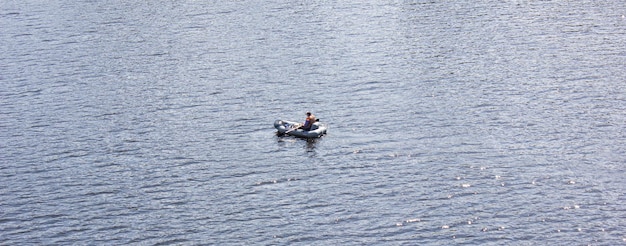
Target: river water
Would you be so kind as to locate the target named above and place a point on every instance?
(451, 122)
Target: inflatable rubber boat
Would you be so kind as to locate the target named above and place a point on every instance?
(290, 128)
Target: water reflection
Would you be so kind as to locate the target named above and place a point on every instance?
(284, 140)
(310, 144)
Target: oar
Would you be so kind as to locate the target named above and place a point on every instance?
(293, 128)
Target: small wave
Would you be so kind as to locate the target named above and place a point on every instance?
(275, 181)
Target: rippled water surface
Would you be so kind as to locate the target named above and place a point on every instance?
(451, 122)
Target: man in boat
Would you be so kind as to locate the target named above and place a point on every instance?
(310, 119)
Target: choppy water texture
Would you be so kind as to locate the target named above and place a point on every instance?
(451, 122)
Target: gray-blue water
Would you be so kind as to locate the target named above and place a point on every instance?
(451, 122)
